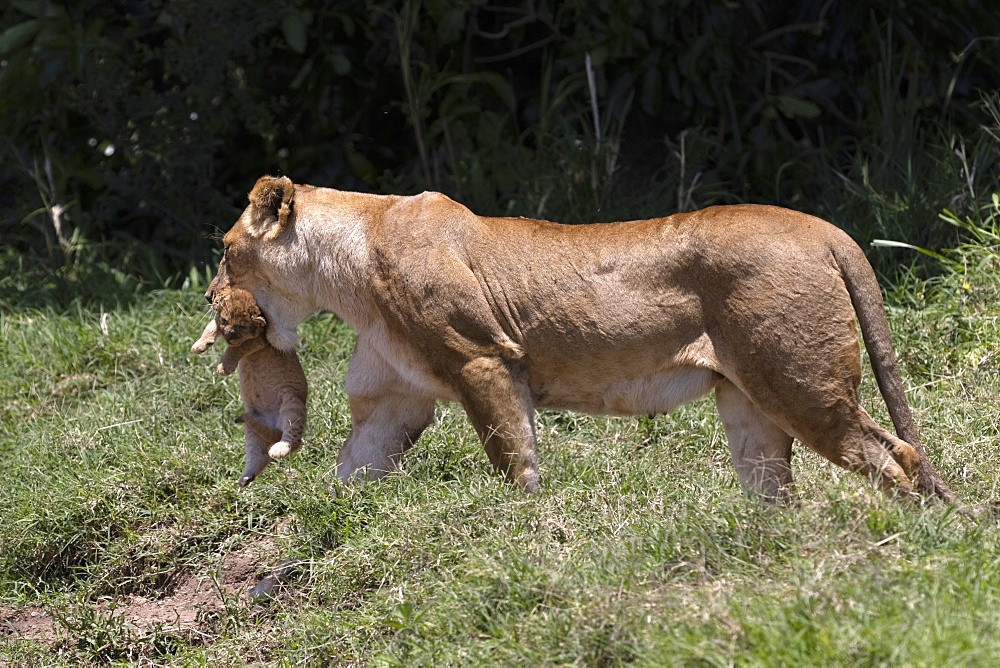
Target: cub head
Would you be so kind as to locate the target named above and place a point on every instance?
(237, 316)
(257, 252)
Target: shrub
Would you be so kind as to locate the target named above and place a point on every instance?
(145, 122)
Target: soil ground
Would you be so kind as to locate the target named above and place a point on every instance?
(182, 610)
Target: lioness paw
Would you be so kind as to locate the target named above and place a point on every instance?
(281, 449)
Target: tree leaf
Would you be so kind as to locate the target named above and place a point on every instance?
(17, 36)
(794, 107)
(493, 80)
(294, 25)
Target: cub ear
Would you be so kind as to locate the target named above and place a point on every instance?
(270, 206)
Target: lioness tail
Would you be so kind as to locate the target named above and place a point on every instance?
(866, 298)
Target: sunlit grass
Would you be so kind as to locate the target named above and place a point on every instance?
(120, 467)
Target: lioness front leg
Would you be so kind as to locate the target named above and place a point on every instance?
(382, 429)
(501, 410)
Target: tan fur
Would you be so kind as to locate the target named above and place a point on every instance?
(506, 315)
(272, 383)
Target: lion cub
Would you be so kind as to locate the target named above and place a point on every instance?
(272, 384)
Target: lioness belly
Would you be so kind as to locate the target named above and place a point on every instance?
(650, 394)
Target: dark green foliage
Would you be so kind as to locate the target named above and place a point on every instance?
(140, 124)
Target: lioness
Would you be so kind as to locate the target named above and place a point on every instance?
(506, 315)
(272, 383)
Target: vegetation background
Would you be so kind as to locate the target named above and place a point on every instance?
(131, 131)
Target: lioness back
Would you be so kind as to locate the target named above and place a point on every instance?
(633, 317)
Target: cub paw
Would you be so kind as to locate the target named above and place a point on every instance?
(281, 449)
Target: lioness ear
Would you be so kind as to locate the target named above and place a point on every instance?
(270, 206)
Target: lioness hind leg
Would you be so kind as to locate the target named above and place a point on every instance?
(834, 425)
(866, 448)
(761, 451)
(501, 410)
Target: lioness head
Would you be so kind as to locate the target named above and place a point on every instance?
(237, 316)
(253, 246)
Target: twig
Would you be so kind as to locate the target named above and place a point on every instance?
(593, 98)
(888, 539)
(404, 33)
(485, 60)
(119, 424)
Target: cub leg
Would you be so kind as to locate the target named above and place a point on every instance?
(207, 338)
(264, 430)
(501, 410)
(761, 451)
(231, 358)
(292, 418)
(382, 429)
(255, 456)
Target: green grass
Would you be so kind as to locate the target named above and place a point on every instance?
(120, 462)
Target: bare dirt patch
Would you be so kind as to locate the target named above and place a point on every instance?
(30, 623)
(184, 610)
(195, 596)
